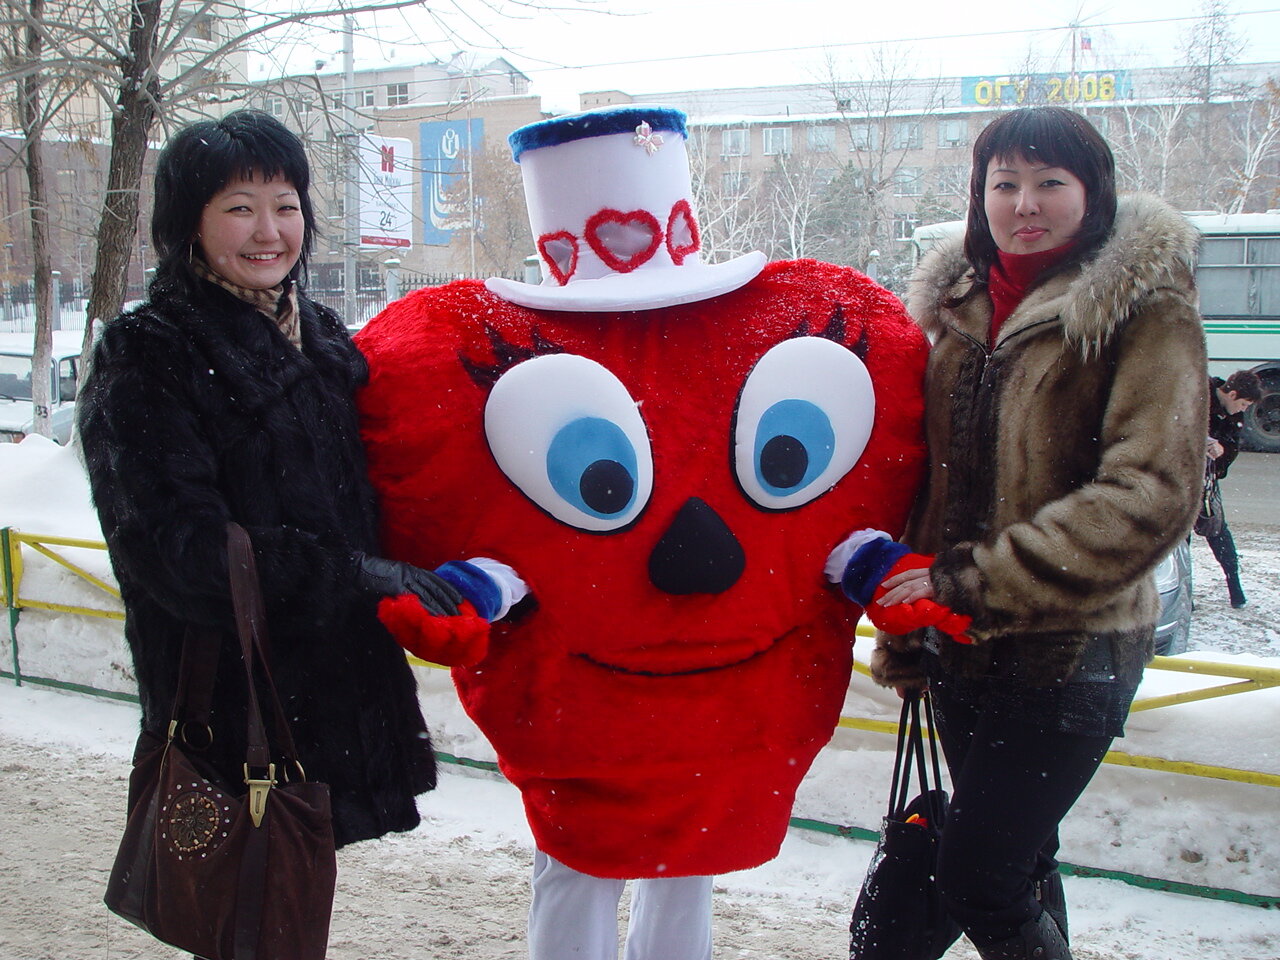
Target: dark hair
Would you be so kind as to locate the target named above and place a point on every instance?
(1058, 138)
(1245, 384)
(201, 159)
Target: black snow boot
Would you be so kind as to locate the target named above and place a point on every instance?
(1054, 900)
(1233, 588)
(1039, 939)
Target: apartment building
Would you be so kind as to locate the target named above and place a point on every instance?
(412, 152)
(901, 149)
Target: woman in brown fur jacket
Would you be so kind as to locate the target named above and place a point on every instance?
(1065, 418)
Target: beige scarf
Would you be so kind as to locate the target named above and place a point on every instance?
(279, 304)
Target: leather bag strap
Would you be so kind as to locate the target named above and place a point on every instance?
(193, 702)
(911, 739)
(251, 625)
(901, 771)
(200, 653)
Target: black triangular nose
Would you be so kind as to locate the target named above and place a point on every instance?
(697, 554)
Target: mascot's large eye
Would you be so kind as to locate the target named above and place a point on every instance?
(802, 422)
(569, 435)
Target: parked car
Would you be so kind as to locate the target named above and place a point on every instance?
(17, 418)
(1173, 581)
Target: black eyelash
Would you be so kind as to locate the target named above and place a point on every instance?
(835, 330)
(506, 355)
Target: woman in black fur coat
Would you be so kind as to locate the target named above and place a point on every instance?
(228, 395)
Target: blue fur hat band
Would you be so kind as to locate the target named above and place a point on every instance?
(595, 123)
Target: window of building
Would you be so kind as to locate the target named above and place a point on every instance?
(397, 94)
(201, 27)
(863, 136)
(734, 183)
(777, 141)
(904, 225)
(365, 98)
(822, 139)
(734, 142)
(951, 133)
(908, 135)
(908, 182)
(275, 106)
(953, 179)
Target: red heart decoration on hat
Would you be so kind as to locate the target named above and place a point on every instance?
(624, 241)
(683, 237)
(559, 252)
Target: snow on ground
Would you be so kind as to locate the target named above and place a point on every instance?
(457, 886)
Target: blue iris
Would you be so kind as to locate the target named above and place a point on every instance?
(592, 465)
(794, 444)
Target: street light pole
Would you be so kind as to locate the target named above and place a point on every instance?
(351, 199)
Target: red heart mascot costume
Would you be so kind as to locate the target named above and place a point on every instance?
(661, 453)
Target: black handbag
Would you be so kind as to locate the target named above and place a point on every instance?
(227, 871)
(1211, 519)
(898, 914)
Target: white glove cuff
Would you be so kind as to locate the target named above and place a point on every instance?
(512, 588)
(839, 558)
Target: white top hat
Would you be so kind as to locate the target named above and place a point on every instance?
(612, 213)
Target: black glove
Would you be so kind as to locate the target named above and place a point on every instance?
(389, 578)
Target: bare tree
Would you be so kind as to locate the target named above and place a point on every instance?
(883, 108)
(33, 119)
(1256, 132)
(144, 60)
(491, 217)
(1147, 141)
(1208, 45)
(793, 190)
(731, 214)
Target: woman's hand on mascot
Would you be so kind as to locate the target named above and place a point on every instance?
(488, 588)
(892, 585)
(384, 577)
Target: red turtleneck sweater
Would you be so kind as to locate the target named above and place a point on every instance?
(1012, 275)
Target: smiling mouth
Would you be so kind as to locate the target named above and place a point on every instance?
(682, 659)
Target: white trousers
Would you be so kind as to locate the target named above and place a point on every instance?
(575, 916)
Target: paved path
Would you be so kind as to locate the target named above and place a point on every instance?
(1251, 490)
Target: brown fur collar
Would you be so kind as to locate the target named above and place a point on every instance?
(1152, 246)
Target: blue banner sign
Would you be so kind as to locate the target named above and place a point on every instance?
(447, 146)
(1037, 89)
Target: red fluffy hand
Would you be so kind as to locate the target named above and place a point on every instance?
(904, 617)
(459, 641)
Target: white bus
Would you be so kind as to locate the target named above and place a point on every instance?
(1239, 280)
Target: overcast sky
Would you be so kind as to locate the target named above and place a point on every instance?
(646, 46)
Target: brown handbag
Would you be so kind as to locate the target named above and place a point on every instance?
(227, 872)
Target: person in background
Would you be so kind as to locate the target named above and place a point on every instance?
(228, 395)
(1228, 400)
(1064, 393)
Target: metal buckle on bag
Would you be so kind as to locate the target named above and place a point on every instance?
(180, 729)
(258, 790)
